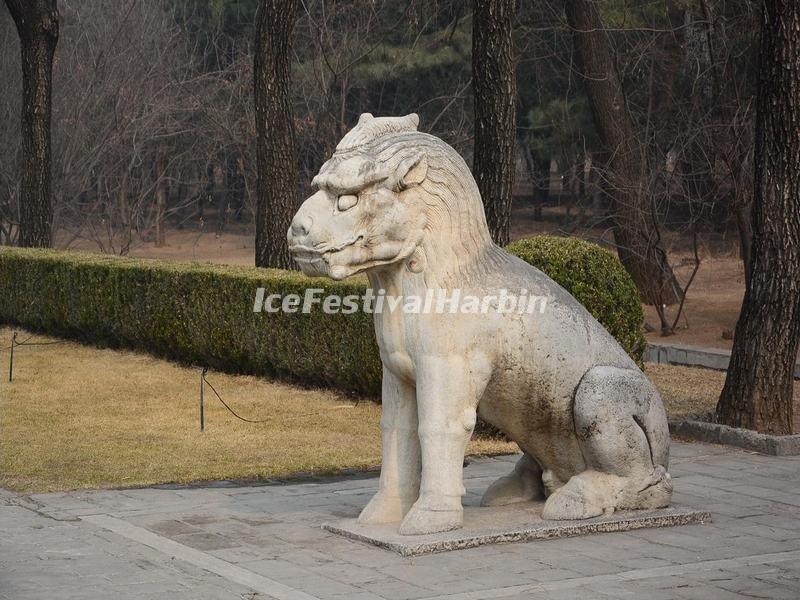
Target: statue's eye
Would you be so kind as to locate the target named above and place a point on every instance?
(346, 202)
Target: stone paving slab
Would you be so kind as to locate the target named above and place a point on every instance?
(256, 542)
(515, 523)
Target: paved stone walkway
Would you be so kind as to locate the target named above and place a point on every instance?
(233, 542)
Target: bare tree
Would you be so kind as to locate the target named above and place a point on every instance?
(758, 392)
(135, 124)
(277, 162)
(161, 198)
(138, 81)
(37, 26)
(636, 231)
(142, 80)
(723, 137)
(495, 88)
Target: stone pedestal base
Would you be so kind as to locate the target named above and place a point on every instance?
(515, 523)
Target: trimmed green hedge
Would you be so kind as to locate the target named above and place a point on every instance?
(596, 278)
(195, 313)
(203, 314)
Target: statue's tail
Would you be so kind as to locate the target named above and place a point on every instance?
(656, 428)
(656, 492)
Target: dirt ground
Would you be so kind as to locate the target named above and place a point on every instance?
(712, 304)
(714, 299)
(235, 246)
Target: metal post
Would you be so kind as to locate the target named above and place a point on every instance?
(202, 394)
(11, 359)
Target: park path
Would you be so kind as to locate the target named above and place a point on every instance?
(230, 541)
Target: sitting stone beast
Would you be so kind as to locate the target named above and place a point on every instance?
(402, 207)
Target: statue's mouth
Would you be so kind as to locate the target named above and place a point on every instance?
(308, 259)
(319, 253)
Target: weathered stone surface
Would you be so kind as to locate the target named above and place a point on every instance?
(403, 207)
(714, 433)
(514, 523)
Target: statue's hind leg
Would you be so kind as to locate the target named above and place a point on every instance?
(622, 430)
(522, 484)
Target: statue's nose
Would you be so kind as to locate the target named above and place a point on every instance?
(301, 224)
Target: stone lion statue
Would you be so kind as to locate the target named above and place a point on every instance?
(403, 207)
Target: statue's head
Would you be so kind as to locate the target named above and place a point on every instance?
(386, 189)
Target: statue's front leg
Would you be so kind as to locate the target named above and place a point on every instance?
(400, 467)
(448, 390)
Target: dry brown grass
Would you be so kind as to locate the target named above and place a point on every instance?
(686, 391)
(690, 391)
(80, 417)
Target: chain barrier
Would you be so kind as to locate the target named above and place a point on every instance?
(203, 382)
(26, 342)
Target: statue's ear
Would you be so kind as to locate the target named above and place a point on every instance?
(411, 171)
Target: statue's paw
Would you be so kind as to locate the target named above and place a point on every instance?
(654, 492)
(575, 500)
(384, 508)
(517, 487)
(432, 517)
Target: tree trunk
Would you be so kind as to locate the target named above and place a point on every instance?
(494, 84)
(277, 163)
(37, 26)
(635, 220)
(758, 390)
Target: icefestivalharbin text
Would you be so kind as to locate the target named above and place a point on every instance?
(439, 301)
